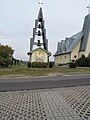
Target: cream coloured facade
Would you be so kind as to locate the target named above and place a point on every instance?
(75, 52)
(87, 51)
(39, 43)
(39, 55)
(75, 46)
(80, 53)
(62, 59)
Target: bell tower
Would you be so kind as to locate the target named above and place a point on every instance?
(39, 42)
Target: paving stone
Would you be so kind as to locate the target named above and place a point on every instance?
(78, 98)
(72, 103)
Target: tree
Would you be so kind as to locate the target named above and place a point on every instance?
(6, 55)
(83, 61)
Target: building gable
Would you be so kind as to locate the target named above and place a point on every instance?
(39, 55)
(86, 31)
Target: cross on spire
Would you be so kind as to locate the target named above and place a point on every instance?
(88, 7)
(40, 3)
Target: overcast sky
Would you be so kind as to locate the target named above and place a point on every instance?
(63, 18)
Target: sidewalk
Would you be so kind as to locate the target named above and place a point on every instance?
(72, 103)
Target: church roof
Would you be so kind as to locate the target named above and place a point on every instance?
(76, 40)
(69, 44)
(41, 49)
(63, 53)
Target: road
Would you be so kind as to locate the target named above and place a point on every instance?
(43, 82)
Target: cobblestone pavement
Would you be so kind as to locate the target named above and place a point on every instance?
(79, 99)
(71, 103)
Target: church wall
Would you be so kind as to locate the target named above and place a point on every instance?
(75, 52)
(62, 59)
(80, 53)
(87, 51)
(39, 56)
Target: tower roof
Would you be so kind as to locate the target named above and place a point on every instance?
(39, 30)
(40, 15)
(85, 30)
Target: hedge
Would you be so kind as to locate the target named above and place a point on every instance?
(37, 65)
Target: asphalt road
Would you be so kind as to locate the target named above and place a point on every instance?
(43, 82)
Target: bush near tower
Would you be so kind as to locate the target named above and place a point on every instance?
(40, 65)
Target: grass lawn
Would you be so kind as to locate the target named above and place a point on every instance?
(24, 71)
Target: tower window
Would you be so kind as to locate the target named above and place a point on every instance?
(40, 19)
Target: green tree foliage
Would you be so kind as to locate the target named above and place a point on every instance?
(83, 61)
(72, 64)
(37, 65)
(6, 55)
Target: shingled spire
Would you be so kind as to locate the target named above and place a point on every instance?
(40, 15)
(39, 33)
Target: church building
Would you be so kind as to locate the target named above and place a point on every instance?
(72, 48)
(38, 43)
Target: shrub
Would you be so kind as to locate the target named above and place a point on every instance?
(37, 65)
(45, 65)
(29, 64)
(51, 64)
(4, 62)
(60, 64)
(72, 65)
(83, 61)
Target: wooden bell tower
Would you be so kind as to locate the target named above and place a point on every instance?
(38, 43)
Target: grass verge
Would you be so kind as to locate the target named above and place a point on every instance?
(32, 72)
